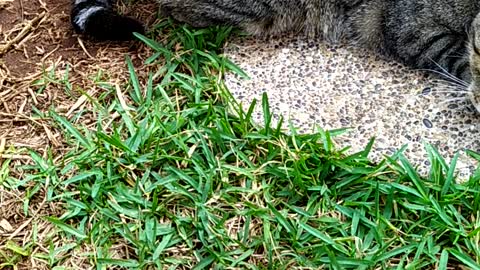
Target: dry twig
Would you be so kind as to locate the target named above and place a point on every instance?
(23, 33)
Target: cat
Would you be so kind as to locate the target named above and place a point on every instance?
(435, 35)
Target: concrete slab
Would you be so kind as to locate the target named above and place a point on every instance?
(316, 84)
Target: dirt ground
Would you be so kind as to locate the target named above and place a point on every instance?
(36, 39)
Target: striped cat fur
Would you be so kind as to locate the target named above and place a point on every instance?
(436, 35)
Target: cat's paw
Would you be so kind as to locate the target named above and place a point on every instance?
(102, 23)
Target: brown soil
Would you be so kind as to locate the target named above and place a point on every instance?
(36, 40)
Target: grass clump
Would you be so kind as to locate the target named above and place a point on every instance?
(175, 175)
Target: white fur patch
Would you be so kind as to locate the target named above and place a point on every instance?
(83, 15)
(77, 2)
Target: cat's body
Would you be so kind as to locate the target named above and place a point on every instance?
(424, 34)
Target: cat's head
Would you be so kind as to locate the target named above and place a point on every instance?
(474, 53)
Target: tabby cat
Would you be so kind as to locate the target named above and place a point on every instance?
(437, 35)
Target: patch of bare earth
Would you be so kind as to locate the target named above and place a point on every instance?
(37, 49)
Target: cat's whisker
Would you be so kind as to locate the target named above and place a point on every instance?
(452, 100)
(445, 87)
(451, 92)
(452, 88)
(448, 75)
(463, 106)
(445, 73)
(453, 85)
(444, 83)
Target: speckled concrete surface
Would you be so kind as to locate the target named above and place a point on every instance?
(315, 84)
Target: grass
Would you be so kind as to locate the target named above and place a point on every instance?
(174, 174)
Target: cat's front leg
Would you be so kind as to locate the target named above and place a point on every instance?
(253, 16)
